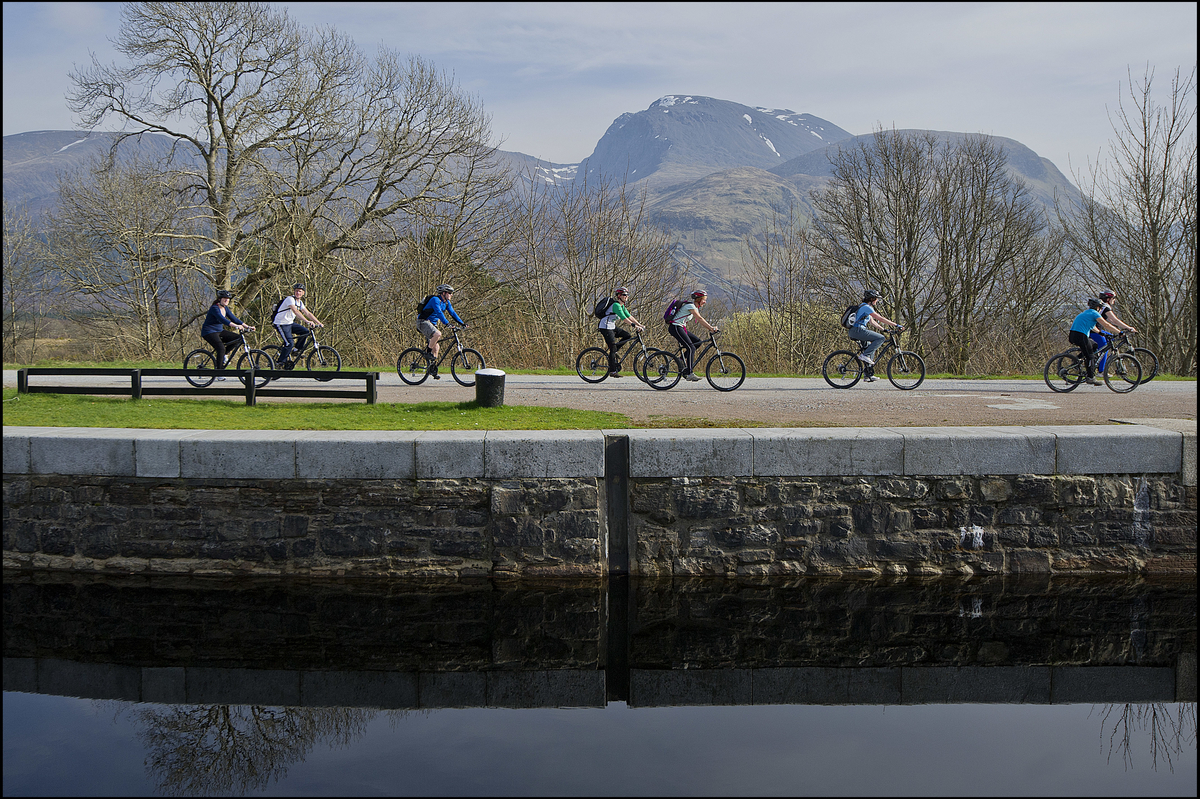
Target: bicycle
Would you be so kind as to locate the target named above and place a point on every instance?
(416, 363)
(1122, 371)
(322, 358)
(1146, 357)
(204, 362)
(905, 369)
(724, 370)
(592, 363)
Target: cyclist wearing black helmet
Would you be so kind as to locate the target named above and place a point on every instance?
(1106, 298)
(287, 328)
(867, 315)
(433, 312)
(678, 329)
(1080, 327)
(213, 330)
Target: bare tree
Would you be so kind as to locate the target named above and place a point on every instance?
(119, 242)
(1135, 228)
(27, 288)
(305, 148)
(779, 267)
(874, 223)
(573, 244)
(987, 227)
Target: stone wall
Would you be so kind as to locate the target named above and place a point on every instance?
(747, 503)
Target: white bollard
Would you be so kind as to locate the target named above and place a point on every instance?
(489, 388)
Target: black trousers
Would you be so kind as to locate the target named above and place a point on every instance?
(614, 338)
(1088, 347)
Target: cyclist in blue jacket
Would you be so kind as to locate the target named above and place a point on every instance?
(213, 330)
(433, 313)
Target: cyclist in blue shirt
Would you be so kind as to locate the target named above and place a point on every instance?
(1080, 327)
(867, 315)
(433, 313)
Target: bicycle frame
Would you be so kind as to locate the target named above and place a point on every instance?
(625, 348)
(458, 346)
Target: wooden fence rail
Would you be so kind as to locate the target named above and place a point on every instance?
(136, 389)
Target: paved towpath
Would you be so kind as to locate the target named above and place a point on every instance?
(809, 402)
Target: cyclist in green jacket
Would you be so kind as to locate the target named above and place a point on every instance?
(613, 335)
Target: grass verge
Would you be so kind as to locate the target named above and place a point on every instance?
(76, 410)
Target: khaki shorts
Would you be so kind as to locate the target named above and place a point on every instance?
(427, 328)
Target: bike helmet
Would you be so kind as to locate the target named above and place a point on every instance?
(699, 293)
(1106, 295)
(299, 287)
(622, 290)
(223, 294)
(871, 294)
(1094, 303)
(445, 288)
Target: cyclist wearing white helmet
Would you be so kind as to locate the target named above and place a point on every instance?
(294, 335)
(433, 312)
(678, 329)
(1106, 298)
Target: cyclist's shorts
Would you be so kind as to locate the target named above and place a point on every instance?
(427, 328)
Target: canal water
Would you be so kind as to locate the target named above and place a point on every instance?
(174, 686)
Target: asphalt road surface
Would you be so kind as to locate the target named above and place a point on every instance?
(793, 402)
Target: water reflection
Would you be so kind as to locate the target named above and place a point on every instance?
(230, 684)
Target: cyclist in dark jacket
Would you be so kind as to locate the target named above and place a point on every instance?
(213, 330)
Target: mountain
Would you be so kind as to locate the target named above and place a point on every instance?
(682, 138)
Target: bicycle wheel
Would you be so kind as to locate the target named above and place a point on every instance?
(592, 365)
(1064, 372)
(464, 365)
(663, 370)
(842, 369)
(324, 360)
(261, 361)
(1122, 373)
(906, 370)
(203, 362)
(1149, 362)
(725, 371)
(639, 364)
(413, 366)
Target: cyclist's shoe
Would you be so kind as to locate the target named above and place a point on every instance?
(220, 378)
(692, 377)
(288, 365)
(1091, 381)
(433, 372)
(871, 378)
(866, 359)
(615, 374)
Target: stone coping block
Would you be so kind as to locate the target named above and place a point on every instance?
(950, 685)
(1116, 449)
(1185, 426)
(543, 453)
(827, 451)
(357, 454)
(1113, 684)
(503, 454)
(714, 452)
(976, 450)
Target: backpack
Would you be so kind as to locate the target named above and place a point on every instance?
(601, 309)
(849, 314)
(672, 309)
(423, 311)
(274, 313)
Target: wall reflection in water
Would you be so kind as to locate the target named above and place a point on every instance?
(230, 683)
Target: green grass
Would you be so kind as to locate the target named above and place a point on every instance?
(75, 410)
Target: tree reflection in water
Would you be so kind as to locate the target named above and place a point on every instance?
(203, 750)
(1168, 731)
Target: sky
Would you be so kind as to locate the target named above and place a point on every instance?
(554, 76)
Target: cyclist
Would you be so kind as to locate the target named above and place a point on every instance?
(1106, 298)
(433, 312)
(678, 328)
(213, 330)
(867, 315)
(613, 335)
(287, 327)
(1081, 326)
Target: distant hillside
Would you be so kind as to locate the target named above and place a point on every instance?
(681, 138)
